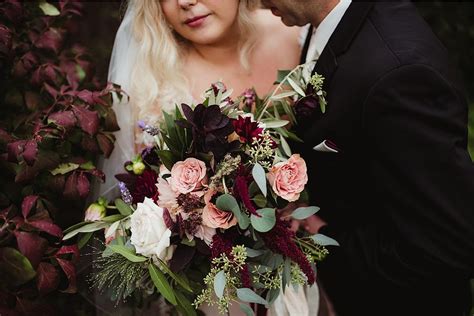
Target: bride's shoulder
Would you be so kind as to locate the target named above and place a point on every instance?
(271, 28)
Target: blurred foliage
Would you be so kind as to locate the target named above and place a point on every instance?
(452, 23)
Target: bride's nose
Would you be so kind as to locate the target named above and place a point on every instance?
(186, 4)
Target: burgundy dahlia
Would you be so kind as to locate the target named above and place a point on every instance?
(220, 245)
(305, 107)
(246, 129)
(145, 186)
(281, 240)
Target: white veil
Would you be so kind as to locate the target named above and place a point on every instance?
(120, 70)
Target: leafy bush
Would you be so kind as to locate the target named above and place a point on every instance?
(55, 121)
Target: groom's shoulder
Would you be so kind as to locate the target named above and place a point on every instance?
(405, 34)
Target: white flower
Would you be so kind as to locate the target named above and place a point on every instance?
(150, 236)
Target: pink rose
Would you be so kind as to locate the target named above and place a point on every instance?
(289, 178)
(188, 175)
(214, 217)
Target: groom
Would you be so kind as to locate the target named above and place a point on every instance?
(399, 193)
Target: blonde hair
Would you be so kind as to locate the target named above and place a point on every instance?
(157, 82)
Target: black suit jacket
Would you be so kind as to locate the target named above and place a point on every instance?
(399, 196)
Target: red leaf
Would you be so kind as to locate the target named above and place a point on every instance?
(15, 149)
(97, 173)
(5, 36)
(70, 272)
(47, 278)
(70, 189)
(64, 118)
(31, 246)
(50, 40)
(106, 145)
(27, 204)
(52, 91)
(86, 95)
(5, 137)
(89, 144)
(32, 100)
(30, 153)
(88, 120)
(83, 185)
(73, 249)
(48, 227)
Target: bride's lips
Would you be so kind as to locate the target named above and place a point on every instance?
(196, 21)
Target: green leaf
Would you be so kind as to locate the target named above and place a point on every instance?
(15, 267)
(283, 95)
(185, 304)
(74, 227)
(249, 296)
(285, 146)
(252, 253)
(295, 86)
(167, 158)
(87, 166)
(176, 277)
(286, 275)
(49, 9)
(323, 240)
(92, 227)
(227, 202)
(220, 281)
(84, 239)
(123, 207)
(111, 230)
(304, 212)
(81, 74)
(258, 174)
(265, 222)
(246, 309)
(64, 168)
(127, 253)
(260, 200)
(275, 123)
(113, 218)
(272, 295)
(162, 285)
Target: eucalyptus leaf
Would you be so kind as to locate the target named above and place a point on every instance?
(162, 285)
(252, 253)
(184, 284)
(246, 309)
(258, 174)
(324, 240)
(265, 221)
(286, 275)
(249, 296)
(123, 207)
(127, 253)
(227, 202)
(220, 281)
(272, 295)
(260, 200)
(304, 212)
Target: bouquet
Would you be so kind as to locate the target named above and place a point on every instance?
(199, 219)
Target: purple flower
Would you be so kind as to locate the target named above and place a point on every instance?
(126, 196)
(152, 130)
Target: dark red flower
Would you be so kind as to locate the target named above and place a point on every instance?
(305, 107)
(150, 156)
(145, 186)
(281, 240)
(220, 244)
(245, 276)
(241, 192)
(246, 129)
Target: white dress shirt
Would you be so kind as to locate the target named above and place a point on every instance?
(323, 32)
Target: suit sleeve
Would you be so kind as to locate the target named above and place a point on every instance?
(423, 179)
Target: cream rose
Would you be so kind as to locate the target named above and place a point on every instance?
(150, 236)
(188, 175)
(289, 178)
(214, 217)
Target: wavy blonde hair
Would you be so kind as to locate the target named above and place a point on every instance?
(157, 82)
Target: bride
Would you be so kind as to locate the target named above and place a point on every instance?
(170, 51)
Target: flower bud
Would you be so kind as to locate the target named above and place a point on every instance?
(95, 212)
(138, 167)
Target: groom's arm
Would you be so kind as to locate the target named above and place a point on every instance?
(423, 176)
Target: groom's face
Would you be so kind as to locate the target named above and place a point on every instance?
(292, 12)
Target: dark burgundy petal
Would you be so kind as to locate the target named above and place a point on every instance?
(106, 144)
(83, 185)
(70, 272)
(50, 40)
(31, 152)
(48, 227)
